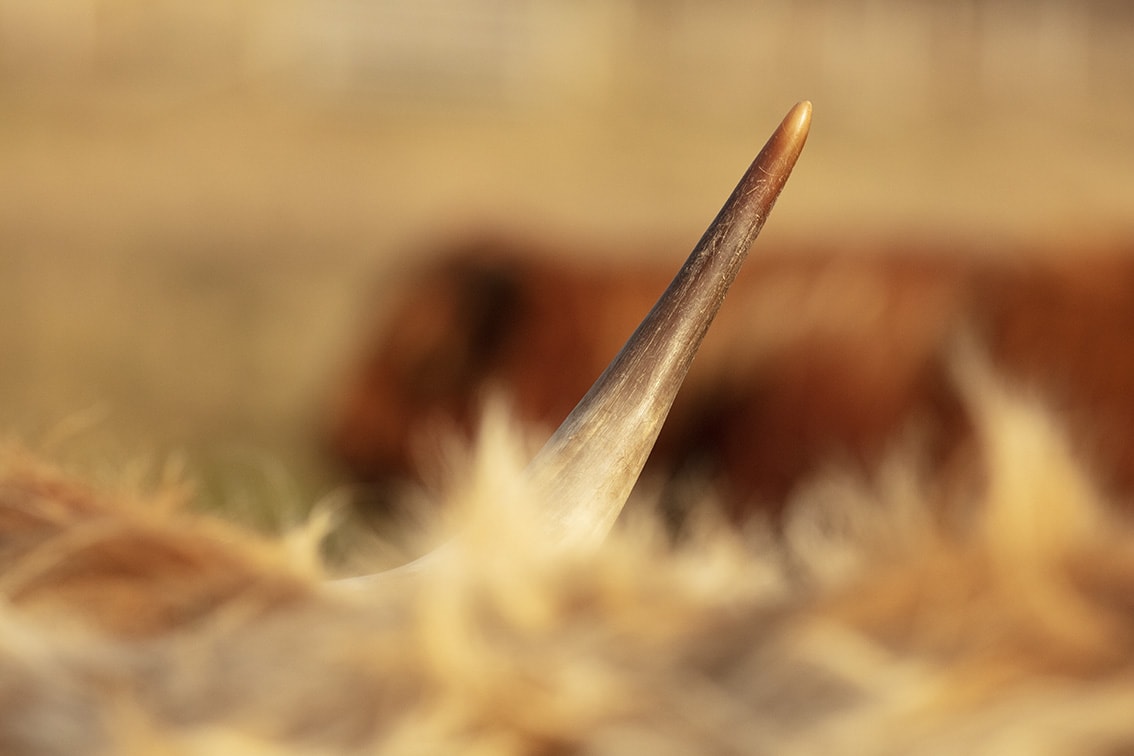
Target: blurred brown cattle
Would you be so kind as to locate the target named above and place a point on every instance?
(825, 354)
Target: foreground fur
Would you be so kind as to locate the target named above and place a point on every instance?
(878, 621)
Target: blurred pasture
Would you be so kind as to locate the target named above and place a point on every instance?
(200, 199)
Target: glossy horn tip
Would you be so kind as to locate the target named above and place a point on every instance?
(786, 143)
(798, 120)
(793, 130)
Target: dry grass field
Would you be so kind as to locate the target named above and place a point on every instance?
(199, 204)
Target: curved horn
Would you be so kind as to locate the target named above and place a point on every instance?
(586, 470)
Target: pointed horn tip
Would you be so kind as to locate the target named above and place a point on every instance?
(798, 119)
(788, 139)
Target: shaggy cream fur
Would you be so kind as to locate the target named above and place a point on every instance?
(883, 619)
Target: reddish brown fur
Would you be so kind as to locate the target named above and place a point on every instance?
(822, 354)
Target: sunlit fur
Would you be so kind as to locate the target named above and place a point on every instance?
(881, 619)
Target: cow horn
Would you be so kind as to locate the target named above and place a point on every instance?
(585, 471)
(587, 468)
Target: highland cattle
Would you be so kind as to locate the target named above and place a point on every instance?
(826, 353)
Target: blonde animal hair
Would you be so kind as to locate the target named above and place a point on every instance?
(870, 625)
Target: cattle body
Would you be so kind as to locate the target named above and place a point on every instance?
(826, 353)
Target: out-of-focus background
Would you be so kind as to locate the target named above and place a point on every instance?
(200, 198)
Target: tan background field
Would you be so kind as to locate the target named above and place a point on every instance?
(201, 202)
